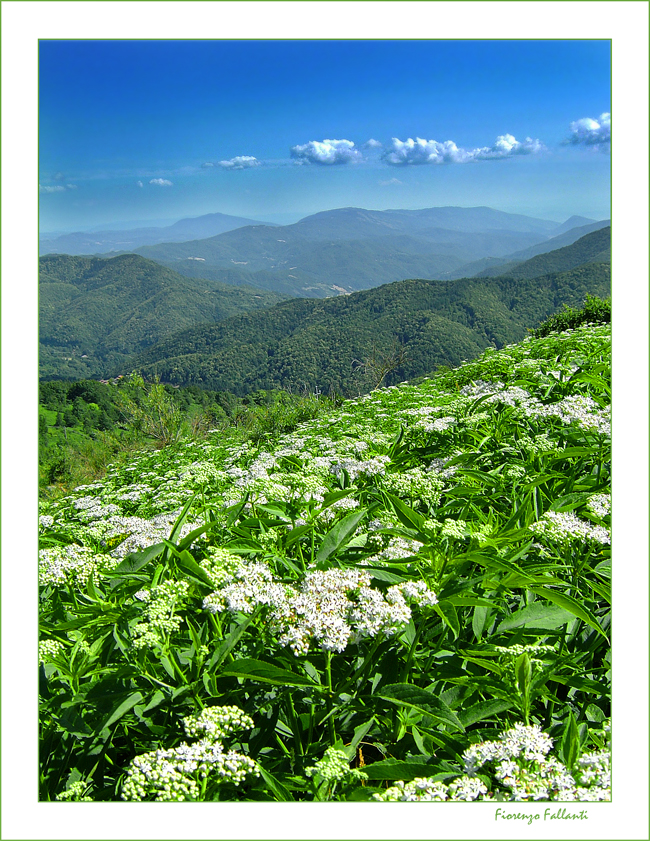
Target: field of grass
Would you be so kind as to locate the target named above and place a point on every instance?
(405, 598)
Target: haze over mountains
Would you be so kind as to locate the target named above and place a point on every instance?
(350, 249)
(344, 250)
(101, 241)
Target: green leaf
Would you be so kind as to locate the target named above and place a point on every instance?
(407, 515)
(469, 601)
(121, 709)
(360, 732)
(541, 616)
(187, 563)
(523, 673)
(571, 605)
(569, 502)
(266, 673)
(584, 684)
(229, 643)
(178, 525)
(449, 616)
(407, 695)
(570, 747)
(384, 575)
(281, 792)
(339, 534)
(479, 620)
(482, 710)
(134, 562)
(400, 769)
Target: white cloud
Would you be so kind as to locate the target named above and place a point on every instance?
(590, 132)
(71, 186)
(206, 165)
(139, 183)
(56, 189)
(240, 162)
(326, 152)
(372, 144)
(390, 182)
(161, 182)
(419, 151)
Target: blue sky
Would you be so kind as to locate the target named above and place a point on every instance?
(159, 130)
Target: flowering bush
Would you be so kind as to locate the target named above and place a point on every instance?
(405, 598)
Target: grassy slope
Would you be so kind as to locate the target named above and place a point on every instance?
(472, 530)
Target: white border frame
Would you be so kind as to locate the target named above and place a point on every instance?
(626, 23)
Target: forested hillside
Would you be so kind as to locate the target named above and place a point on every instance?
(96, 313)
(494, 266)
(594, 247)
(343, 343)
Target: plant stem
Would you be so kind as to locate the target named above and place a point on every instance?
(329, 697)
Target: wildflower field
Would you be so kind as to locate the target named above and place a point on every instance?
(407, 598)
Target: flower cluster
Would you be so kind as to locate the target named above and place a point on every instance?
(75, 792)
(159, 614)
(181, 773)
(433, 791)
(520, 763)
(70, 564)
(334, 767)
(48, 650)
(220, 565)
(564, 526)
(332, 607)
(600, 505)
(522, 770)
(217, 722)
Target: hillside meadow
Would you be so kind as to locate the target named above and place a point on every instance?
(405, 598)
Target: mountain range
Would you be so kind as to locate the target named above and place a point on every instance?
(104, 315)
(350, 249)
(104, 241)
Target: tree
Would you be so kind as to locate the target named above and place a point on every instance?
(377, 365)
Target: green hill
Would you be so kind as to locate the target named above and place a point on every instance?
(339, 343)
(495, 266)
(595, 247)
(95, 313)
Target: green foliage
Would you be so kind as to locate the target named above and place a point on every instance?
(357, 608)
(151, 411)
(594, 311)
(85, 425)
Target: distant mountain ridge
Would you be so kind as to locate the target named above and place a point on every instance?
(104, 241)
(595, 247)
(494, 266)
(350, 249)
